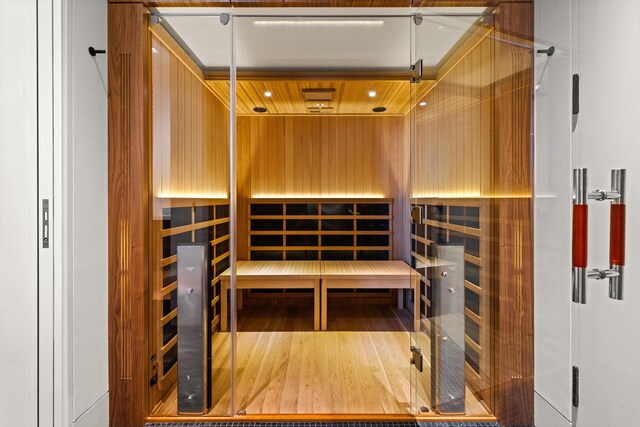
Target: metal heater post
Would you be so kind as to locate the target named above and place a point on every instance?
(447, 332)
(193, 333)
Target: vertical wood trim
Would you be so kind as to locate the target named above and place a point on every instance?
(513, 256)
(128, 212)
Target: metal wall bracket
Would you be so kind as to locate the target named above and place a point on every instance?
(224, 19)
(93, 51)
(417, 19)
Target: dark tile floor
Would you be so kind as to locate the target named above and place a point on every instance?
(313, 424)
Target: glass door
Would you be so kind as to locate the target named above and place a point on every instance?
(322, 104)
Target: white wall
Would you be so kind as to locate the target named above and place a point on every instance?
(83, 170)
(18, 214)
(552, 215)
(53, 110)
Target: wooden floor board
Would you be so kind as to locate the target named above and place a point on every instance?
(359, 366)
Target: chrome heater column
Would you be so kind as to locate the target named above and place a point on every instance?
(193, 332)
(447, 331)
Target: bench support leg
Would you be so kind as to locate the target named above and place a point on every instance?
(316, 306)
(323, 304)
(223, 307)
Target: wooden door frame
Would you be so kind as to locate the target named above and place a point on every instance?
(129, 199)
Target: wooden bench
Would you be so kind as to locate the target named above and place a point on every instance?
(308, 274)
(273, 275)
(369, 275)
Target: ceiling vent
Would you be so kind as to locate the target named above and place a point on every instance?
(318, 94)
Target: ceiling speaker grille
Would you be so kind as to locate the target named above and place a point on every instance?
(318, 94)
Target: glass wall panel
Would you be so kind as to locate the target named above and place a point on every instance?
(190, 134)
(471, 189)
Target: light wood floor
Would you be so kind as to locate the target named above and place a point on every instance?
(359, 366)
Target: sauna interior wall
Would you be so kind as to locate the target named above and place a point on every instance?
(190, 129)
(328, 156)
(452, 152)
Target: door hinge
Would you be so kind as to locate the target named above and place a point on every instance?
(416, 215)
(575, 387)
(45, 223)
(416, 357)
(575, 104)
(417, 71)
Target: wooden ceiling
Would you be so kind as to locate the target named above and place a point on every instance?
(351, 97)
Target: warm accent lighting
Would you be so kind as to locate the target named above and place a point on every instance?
(192, 196)
(372, 94)
(470, 196)
(336, 22)
(267, 94)
(318, 196)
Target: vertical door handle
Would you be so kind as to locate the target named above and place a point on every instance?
(617, 231)
(580, 229)
(579, 238)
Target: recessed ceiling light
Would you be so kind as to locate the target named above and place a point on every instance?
(154, 50)
(267, 94)
(372, 94)
(379, 109)
(422, 104)
(259, 109)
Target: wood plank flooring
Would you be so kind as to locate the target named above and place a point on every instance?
(359, 366)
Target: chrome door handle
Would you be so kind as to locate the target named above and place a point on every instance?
(617, 231)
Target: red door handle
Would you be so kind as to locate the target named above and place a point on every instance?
(617, 234)
(580, 239)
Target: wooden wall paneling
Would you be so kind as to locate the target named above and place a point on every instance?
(512, 275)
(513, 221)
(128, 215)
(191, 130)
(451, 147)
(296, 156)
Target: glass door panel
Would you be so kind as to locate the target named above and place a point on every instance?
(190, 215)
(322, 106)
(451, 190)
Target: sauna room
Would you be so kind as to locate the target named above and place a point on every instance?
(338, 180)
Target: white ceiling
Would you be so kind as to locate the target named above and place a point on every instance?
(329, 39)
